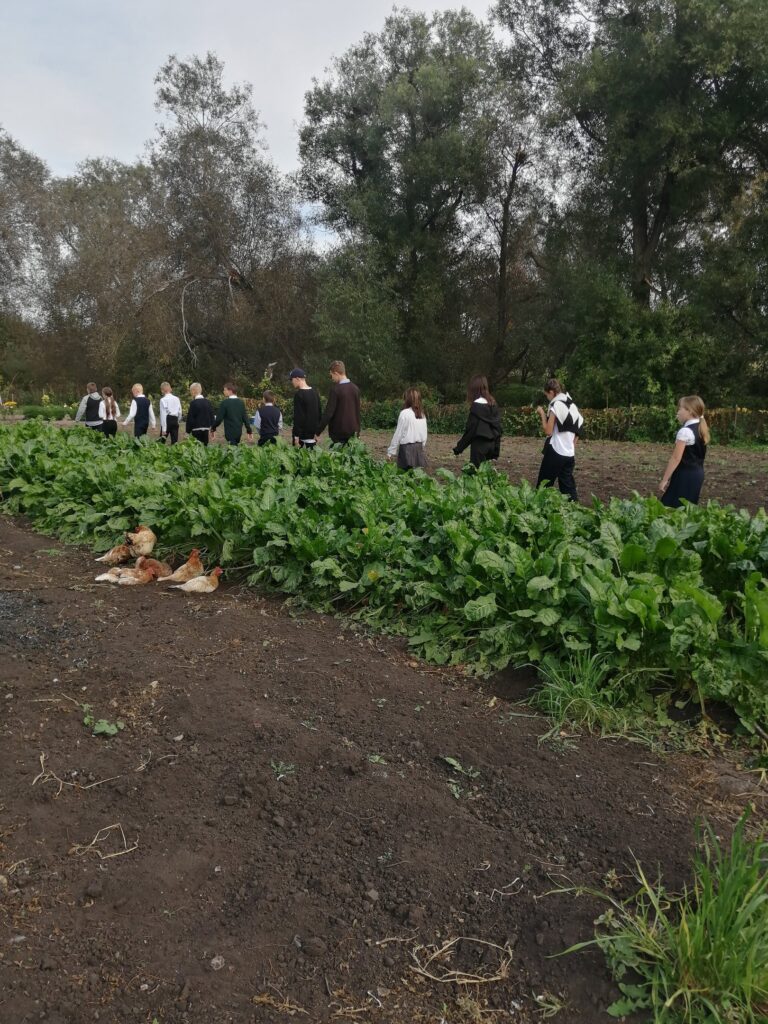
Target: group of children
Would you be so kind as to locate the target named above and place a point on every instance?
(561, 423)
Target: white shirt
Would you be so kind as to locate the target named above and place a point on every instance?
(133, 410)
(685, 434)
(409, 430)
(103, 411)
(169, 406)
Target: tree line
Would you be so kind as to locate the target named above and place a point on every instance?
(570, 187)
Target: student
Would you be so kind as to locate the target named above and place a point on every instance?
(141, 412)
(200, 415)
(88, 410)
(109, 410)
(410, 437)
(684, 476)
(170, 414)
(306, 411)
(483, 430)
(232, 413)
(342, 411)
(562, 423)
(268, 420)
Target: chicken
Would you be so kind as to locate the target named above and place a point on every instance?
(201, 584)
(127, 577)
(192, 568)
(161, 569)
(141, 541)
(116, 555)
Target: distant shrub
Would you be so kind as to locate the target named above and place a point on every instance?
(45, 412)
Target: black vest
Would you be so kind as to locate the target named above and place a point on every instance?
(141, 419)
(270, 421)
(92, 410)
(693, 456)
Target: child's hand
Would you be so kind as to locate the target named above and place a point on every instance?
(663, 486)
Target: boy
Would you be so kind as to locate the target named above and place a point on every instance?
(306, 411)
(233, 415)
(200, 415)
(342, 413)
(141, 412)
(268, 420)
(89, 408)
(170, 414)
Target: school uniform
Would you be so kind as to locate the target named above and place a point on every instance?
(141, 414)
(482, 433)
(409, 441)
(269, 422)
(88, 411)
(307, 414)
(688, 478)
(232, 413)
(200, 419)
(342, 413)
(170, 417)
(560, 447)
(108, 421)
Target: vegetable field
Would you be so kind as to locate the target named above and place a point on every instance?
(474, 571)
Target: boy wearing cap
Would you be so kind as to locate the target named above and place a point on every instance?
(306, 411)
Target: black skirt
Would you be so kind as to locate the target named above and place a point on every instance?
(411, 456)
(685, 483)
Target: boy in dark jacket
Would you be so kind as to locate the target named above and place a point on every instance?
(342, 413)
(483, 430)
(200, 416)
(307, 412)
(232, 413)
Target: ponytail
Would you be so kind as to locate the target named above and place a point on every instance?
(109, 403)
(695, 406)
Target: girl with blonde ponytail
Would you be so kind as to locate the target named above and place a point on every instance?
(684, 475)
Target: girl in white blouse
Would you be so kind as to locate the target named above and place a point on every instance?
(684, 476)
(109, 410)
(410, 437)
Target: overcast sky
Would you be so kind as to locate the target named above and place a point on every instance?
(76, 76)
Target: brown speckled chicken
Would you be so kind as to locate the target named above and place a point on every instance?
(141, 541)
(201, 584)
(161, 569)
(127, 577)
(115, 556)
(191, 569)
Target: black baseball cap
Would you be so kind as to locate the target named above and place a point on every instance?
(297, 372)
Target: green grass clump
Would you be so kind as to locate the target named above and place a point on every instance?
(700, 957)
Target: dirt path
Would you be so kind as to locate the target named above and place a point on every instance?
(277, 807)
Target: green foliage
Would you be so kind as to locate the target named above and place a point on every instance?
(100, 726)
(474, 570)
(698, 958)
(45, 412)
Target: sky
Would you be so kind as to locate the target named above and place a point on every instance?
(77, 76)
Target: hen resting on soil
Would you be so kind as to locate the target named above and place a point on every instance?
(202, 584)
(161, 569)
(192, 568)
(116, 555)
(127, 577)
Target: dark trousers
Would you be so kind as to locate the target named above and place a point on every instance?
(481, 450)
(203, 436)
(267, 440)
(558, 467)
(95, 426)
(172, 428)
(340, 441)
(233, 440)
(109, 427)
(139, 430)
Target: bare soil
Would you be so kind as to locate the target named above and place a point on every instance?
(274, 835)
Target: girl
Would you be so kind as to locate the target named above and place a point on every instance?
(562, 423)
(268, 420)
(684, 475)
(410, 437)
(109, 410)
(483, 430)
